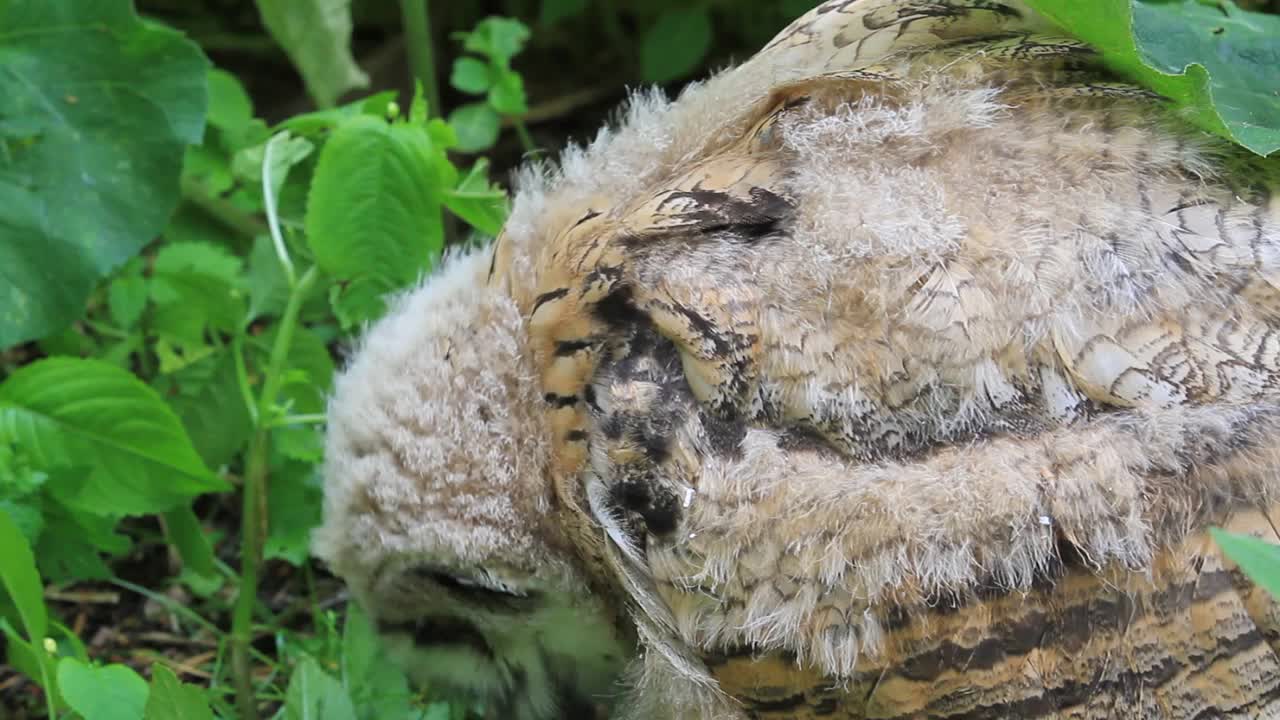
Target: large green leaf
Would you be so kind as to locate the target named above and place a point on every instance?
(114, 692)
(86, 413)
(1219, 61)
(97, 106)
(316, 34)
(374, 212)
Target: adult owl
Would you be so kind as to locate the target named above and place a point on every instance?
(897, 372)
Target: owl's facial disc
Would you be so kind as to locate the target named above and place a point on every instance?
(439, 512)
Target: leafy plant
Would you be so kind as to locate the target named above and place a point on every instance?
(179, 273)
(494, 42)
(1214, 58)
(98, 107)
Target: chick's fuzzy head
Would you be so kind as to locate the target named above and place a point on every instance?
(438, 513)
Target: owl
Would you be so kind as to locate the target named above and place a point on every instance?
(897, 372)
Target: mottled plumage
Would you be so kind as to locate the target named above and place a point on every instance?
(897, 372)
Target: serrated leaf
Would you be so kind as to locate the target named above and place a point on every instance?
(87, 413)
(498, 38)
(314, 695)
(378, 688)
(675, 44)
(114, 692)
(126, 299)
(470, 75)
(476, 125)
(374, 212)
(316, 35)
(97, 108)
(212, 408)
(21, 581)
(507, 94)
(171, 699)
(1217, 60)
(294, 509)
(475, 200)
(357, 302)
(71, 547)
(196, 286)
(553, 11)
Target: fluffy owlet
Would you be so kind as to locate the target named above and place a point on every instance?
(895, 373)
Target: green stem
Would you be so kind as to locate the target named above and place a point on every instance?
(38, 647)
(416, 16)
(222, 210)
(305, 419)
(525, 139)
(253, 520)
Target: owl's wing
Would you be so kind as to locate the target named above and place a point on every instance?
(924, 349)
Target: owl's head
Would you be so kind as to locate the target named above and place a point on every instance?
(438, 513)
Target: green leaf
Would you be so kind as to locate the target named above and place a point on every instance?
(475, 200)
(374, 211)
(1259, 559)
(287, 151)
(1217, 60)
(172, 699)
(97, 108)
(507, 94)
(377, 686)
(185, 533)
(675, 44)
(20, 496)
(70, 547)
(470, 75)
(230, 108)
(86, 413)
(126, 299)
(195, 287)
(357, 302)
(314, 695)
(21, 581)
(322, 121)
(497, 38)
(553, 11)
(294, 510)
(477, 126)
(114, 692)
(212, 408)
(268, 286)
(316, 34)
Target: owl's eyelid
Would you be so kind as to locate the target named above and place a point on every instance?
(485, 582)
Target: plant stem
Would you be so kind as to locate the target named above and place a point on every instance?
(416, 16)
(525, 139)
(253, 520)
(222, 210)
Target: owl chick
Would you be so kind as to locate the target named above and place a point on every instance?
(897, 372)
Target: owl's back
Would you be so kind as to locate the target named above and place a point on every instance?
(910, 388)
